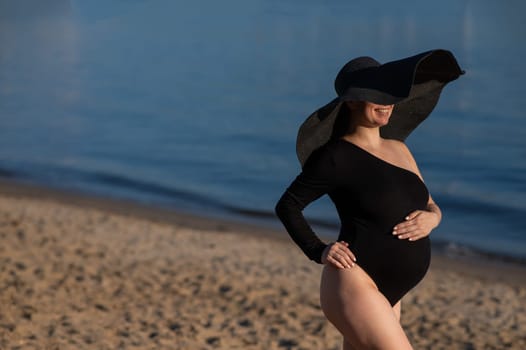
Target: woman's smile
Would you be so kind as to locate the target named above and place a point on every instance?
(380, 113)
(383, 110)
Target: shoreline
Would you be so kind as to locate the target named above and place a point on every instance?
(482, 265)
(155, 213)
(78, 272)
(221, 214)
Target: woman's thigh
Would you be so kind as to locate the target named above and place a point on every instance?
(350, 300)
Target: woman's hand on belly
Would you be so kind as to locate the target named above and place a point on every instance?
(339, 255)
(417, 225)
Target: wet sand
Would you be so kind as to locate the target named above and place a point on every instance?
(78, 272)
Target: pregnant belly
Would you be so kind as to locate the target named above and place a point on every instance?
(395, 265)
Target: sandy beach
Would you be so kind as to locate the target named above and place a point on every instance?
(78, 272)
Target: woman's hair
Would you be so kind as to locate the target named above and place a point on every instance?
(342, 122)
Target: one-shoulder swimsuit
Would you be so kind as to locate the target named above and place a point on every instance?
(371, 196)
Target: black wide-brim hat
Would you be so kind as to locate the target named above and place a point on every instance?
(412, 84)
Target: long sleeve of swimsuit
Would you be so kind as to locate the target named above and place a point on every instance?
(316, 179)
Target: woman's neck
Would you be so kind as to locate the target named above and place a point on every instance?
(367, 137)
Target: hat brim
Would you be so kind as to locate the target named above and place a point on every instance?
(423, 76)
(371, 95)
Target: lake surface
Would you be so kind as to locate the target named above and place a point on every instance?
(196, 104)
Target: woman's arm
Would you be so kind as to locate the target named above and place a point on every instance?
(434, 208)
(319, 176)
(289, 210)
(315, 180)
(419, 223)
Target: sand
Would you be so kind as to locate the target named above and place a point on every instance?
(84, 273)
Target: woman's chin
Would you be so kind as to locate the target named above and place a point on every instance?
(382, 122)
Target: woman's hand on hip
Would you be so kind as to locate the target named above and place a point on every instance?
(339, 255)
(417, 225)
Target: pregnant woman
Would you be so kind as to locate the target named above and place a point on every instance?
(352, 149)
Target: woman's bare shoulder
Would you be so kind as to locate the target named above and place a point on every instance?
(403, 151)
(398, 145)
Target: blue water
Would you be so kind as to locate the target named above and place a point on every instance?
(196, 104)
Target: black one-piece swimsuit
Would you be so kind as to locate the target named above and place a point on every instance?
(371, 197)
